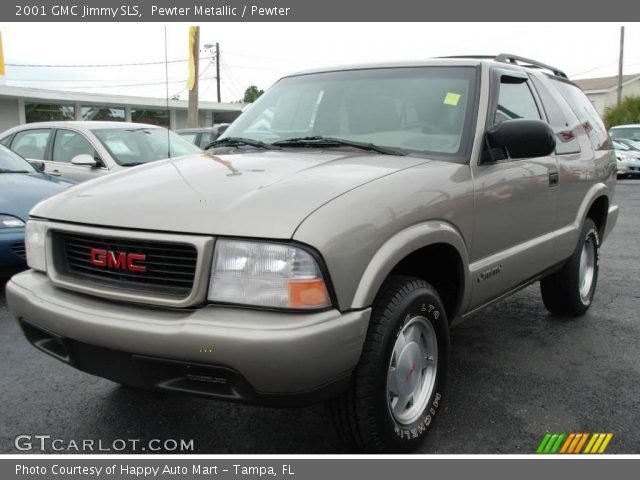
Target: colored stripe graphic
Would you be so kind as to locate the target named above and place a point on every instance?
(573, 443)
(550, 443)
(598, 443)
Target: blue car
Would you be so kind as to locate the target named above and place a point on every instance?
(21, 187)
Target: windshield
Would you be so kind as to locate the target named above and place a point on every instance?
(418, 109)
(133, 146)
(11, 162)
(632, 133)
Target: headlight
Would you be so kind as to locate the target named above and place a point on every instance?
(9, 221)
(267, 275)
(34, 242)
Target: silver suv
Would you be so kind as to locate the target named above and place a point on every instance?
(323, 247)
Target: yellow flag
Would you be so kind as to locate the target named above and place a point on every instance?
(193, 51)
(1, 57)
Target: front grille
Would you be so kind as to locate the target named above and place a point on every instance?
(19, 250)
(169, 268)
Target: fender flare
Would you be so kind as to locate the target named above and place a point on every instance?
(596, 191)
(403, 244)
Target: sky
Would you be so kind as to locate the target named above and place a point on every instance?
(260, 53)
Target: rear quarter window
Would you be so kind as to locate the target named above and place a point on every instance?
(588, 116)
(561, 118)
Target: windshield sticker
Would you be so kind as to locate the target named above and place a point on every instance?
(452, 99)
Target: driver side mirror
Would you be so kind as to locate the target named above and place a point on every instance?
(84, 159)
(519, 138)
(38, 165)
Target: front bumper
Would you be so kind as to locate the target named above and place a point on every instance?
(237, 354)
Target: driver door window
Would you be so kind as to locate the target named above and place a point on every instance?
(515, 101)
(69, 144)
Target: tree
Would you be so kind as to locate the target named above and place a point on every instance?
(627, 111)
(251, 94)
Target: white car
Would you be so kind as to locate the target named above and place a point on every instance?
(83, 150)
(628, 160)
(630, 131)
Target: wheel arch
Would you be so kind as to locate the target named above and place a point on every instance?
(426, 251)
(598, 212)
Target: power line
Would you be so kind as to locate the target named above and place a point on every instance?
(200, 77)
(602, 66)
(127, 85)
(98, 65)
(233, 79)
(46, 80)
(261, 57)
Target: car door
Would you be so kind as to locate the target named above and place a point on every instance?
(68, 144)
(33, 144)
(515, 200)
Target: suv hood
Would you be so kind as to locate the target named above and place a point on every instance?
(263, 194)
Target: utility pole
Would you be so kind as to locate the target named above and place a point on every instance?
(218, 68)
(194, 72)
(620, 62)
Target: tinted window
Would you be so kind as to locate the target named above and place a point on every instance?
(585, 112)
(190, 137)
(31, 144)
(154, 117)
(561, 118)
(103, 113)
(515, 101)
(42, 112)
(206, 139)
(69, 144)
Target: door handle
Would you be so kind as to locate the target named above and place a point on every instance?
(55, 173)
(554, 179)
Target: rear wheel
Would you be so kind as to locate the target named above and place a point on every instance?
(570, 290)
(397, 386)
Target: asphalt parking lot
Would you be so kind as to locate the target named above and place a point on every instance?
(516, 373)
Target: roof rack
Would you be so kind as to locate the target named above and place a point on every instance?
(515, 60)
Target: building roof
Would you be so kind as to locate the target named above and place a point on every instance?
(604, 84)
(99, 99)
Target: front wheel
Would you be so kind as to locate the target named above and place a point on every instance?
(570, 290)
(397, 386)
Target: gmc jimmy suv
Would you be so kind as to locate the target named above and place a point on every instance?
(321, 249)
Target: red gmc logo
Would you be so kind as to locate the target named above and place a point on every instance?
(119, 260)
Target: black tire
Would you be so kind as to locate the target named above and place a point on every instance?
(561, 290)
(362, 415)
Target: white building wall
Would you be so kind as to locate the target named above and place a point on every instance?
(9, 113)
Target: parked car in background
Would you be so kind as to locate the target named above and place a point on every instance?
(81, 151)
(631, 131)
(202, 137)
(628, 158)
(21, 187)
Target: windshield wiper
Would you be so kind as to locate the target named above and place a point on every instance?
(331, 142)
(5, 170)
(237, 141)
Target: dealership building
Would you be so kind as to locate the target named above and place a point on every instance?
(19, 105)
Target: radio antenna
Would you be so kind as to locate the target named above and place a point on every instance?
(166, 82)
